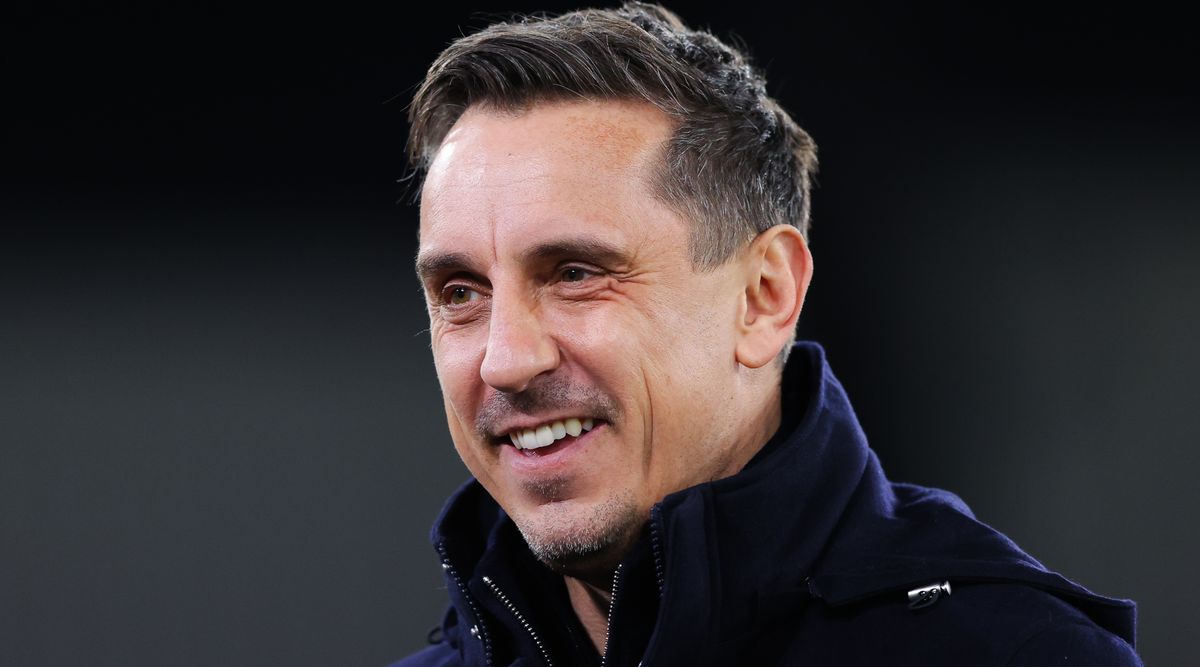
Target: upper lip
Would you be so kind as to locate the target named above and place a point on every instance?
(532, 422)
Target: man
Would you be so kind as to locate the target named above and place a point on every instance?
(613, 251)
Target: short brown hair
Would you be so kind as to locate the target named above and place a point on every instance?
(736, 164)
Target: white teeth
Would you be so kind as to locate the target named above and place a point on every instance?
(528, 439)
(546, 434)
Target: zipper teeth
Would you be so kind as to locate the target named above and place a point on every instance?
(612, 604)
(520, 618)
(487, 642)
(656, 546)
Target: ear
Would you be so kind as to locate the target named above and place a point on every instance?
(778, 268)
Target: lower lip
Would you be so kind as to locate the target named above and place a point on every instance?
(550, 458)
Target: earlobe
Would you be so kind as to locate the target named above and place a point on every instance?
(778, 270)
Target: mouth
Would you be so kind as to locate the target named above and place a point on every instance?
(551, 449)
(528, 440)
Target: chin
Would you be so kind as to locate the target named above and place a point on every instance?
(583, 541)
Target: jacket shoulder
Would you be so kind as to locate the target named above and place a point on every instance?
(1020, 624)
(1066, 643)
(923, 537)
(997, 624)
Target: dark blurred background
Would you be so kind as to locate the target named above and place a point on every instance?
(221, 438)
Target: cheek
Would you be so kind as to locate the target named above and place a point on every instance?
(457, 355)
(456, 358)
(691, 376)
(459, 419)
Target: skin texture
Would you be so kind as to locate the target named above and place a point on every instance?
(559, 286)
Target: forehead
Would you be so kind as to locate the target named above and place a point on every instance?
(551, 167)
(616, 135)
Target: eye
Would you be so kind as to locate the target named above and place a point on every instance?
(574, 274)
(458, 295)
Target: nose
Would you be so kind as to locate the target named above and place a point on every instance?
(518, 347)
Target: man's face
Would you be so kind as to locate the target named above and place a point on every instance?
(561, 295)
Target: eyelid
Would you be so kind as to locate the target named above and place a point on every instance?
(443, 292)
(580, 266)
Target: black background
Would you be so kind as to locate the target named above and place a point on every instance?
(221, 439)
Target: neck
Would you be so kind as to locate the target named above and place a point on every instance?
(763, 420)
(591, 604)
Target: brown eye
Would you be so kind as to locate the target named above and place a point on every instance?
(574, 274)
(459, 295)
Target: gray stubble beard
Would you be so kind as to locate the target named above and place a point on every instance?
(596, 542)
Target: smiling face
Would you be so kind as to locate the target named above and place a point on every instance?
(562, 296)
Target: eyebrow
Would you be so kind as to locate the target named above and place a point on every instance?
(587, 248)
(584, 247)
(440, 262)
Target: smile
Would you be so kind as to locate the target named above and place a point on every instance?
(546, 434)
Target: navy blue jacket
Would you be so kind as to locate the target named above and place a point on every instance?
(805, 557)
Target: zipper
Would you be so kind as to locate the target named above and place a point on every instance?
(482, 636)
(656, 548)
(520, 618)
(612, 605)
